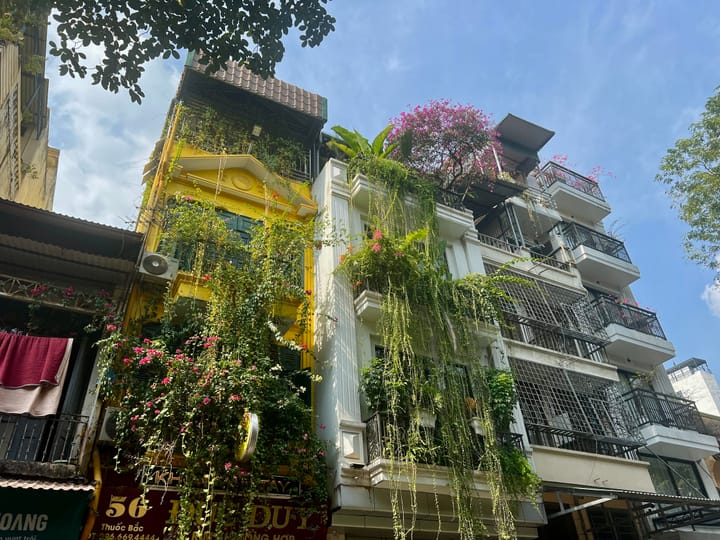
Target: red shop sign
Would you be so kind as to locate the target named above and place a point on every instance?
(125, 515)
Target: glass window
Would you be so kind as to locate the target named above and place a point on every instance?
(674, 477)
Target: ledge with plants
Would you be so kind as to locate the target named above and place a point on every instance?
(430, 326)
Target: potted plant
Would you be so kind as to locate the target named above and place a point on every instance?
(475, 422)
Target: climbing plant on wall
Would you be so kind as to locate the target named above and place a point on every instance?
(187, 391)
(432, 329)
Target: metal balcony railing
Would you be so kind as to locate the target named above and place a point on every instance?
(576, 235)
(500, 244)
(552, 172)
(583, 442)
(647, 407)
(379, 428)
(42, 440)
(560, 339)
(632, 317)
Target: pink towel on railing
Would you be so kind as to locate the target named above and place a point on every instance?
(39, 400)
(30, 360)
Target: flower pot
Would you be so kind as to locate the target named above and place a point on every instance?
(477, 425)
(427, 418)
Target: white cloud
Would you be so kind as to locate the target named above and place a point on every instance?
(711, 296)
(105, 140)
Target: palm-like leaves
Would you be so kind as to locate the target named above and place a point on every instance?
(353, 144)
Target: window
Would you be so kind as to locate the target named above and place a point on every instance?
(674, 476)
(186, 252)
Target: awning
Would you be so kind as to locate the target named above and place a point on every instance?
(41, 509)
(664, 512)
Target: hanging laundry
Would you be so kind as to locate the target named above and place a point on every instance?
(30, 360)
(41, 399)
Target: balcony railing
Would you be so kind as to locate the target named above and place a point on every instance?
(576, 235)
(552, 172)
(582, 442)
(647, 407)
(42, 440)
(500, 244)
(631, 317)
(378, 430)
(539, 253)
(562, 340)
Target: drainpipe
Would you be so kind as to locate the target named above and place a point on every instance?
(96, 497)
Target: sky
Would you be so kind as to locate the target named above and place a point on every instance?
(619, 81)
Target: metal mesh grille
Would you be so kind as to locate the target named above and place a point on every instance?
(552, 317)
(570, 401)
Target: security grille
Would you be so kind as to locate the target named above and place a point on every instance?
(552, 317)
(562, 408)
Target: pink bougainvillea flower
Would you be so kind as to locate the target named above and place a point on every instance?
(228, 466)
(377, 235)
(206, 401)
(166, 380)
(126, 361)
(111, 327)
(206, 277)
(376, 247)
(235, 397)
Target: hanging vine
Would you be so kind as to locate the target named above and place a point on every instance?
(431, 325)
(185, 393)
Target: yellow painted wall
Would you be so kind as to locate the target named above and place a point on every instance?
(239, 184)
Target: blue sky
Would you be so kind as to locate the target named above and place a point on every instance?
(618, 81)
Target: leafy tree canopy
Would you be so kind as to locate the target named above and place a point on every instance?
(692, 170)
(133, 32)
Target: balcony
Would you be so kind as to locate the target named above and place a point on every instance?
(582, 442)
(599, 258)
(634, 334)
(377, 432)
(574, 194)
(671, 426)
(56, 443)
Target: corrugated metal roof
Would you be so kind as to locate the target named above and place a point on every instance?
(46, 485)
(275, 90)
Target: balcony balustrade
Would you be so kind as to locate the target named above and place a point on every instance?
(599, 258)
(42, 440)
(552, 173)
(576, 235)
(574, 194)
(629, 316)
(647, 407)
(582, 442)
(378, 429)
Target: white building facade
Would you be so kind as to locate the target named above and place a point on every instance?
(619, 454)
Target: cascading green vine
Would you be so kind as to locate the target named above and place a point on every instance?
(185, 393)
(432, 329)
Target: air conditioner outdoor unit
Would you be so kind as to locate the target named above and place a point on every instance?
(108, 429)
(158, 267)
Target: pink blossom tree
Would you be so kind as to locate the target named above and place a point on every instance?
(450, 143)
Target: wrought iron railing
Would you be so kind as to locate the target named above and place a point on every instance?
(66, 297)
(42, 440)
(632, 317)
(559, 339)
(539, 254)
(583, 442)
(380, 427)
(576, 235)
(552, 172)
(500, 244)
(647, 407)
